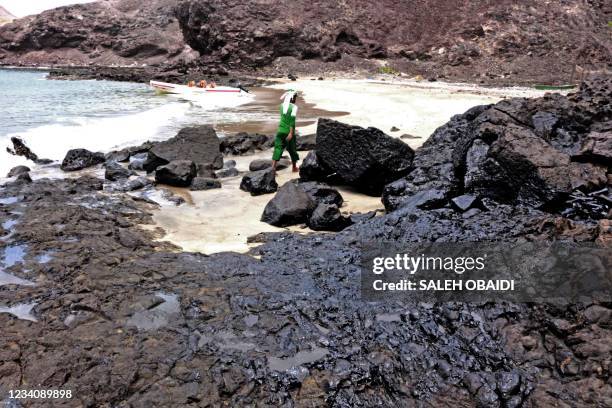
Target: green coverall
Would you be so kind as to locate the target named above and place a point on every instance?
(287, 122)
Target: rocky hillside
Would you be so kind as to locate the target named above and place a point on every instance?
(493, 41)
(5, 16)
(449, 38)
(104, 33)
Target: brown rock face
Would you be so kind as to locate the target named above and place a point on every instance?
(104, 33)
(501, 37)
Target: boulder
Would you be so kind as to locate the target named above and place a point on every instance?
(177, 173)
(124, 155)
(289, 206)
(229, 172)
(259, 182)
(367, 159)
(327, 217)
(78, 159)
(145, 162)
(313, 170)
(204, 183)
(114, 171)
(262, 164)
(321, 193)
(244, 143)
(15, 171)
(198, 144)
(23, 178)
(307, 142)
(535, 152)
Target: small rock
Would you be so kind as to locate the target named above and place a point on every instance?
(177, 173)
(114, 171)
(394, 129)
(145, 162)
(327, 217)
(262, 164)
(203, 183)
(290, 206)
(259, 182)
(78, 159)
(224, 173)
(508, 383)
(15, 171)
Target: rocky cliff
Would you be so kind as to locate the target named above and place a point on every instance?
(493, 41)
(107, 32)
(450, 38)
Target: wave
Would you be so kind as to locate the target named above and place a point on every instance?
(52, 141)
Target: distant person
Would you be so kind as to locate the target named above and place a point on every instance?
(213, 84)
(191, 84)
(285, 136)
(202, 84)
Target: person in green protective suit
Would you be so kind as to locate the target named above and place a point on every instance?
(285, 136)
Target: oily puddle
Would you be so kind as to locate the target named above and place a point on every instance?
(300, 358)
(160, 313)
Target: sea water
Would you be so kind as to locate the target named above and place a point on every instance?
(55, 116)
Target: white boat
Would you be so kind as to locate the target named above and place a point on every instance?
(167, 88)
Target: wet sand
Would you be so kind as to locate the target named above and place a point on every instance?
(265, 107)
(222, 219)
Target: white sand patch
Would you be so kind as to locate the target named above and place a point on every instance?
(416, 108)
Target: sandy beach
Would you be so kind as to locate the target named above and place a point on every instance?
(222, 219)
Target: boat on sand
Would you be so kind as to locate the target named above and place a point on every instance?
(168, 88)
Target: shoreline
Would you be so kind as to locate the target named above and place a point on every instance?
(440, 100)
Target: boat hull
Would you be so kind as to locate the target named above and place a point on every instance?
(168, 88)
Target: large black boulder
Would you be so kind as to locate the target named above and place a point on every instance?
(198, 144)
(78, 159)
(145, 161)
(115, 171)
(367, 159)
(177, 173)
(535, 152)
(321, 193)
(259, 182)
(327, 217)
(244, 143)
(289, 206)
(312, 169)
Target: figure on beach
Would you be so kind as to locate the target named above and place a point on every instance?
(285, 136)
